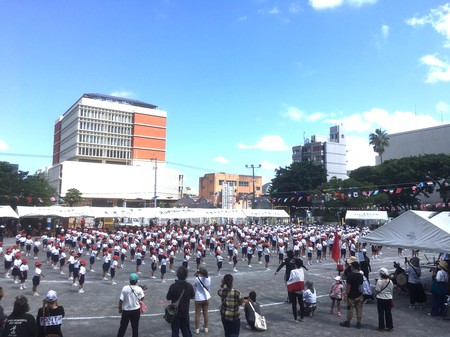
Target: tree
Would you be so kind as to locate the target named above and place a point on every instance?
(299, 176)
(73, 197)
(19, 188)
(379, 140)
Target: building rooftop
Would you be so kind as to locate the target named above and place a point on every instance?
(120, 100)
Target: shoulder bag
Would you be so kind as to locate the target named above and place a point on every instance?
(171, 311)
(260, 320)
(142, 306)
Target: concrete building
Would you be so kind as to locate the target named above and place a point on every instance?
(113, 150)
(331, 152)
(230, 190)
(433, 140)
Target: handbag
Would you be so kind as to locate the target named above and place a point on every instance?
(296, 286)
(142, 306)
(260, 320)
(171, 311)
(391, 303)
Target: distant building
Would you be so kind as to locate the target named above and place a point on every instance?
(113, 150)
(331, 152)
(230, 190)
(433, 140)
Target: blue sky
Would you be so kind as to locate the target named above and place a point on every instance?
(242, 81)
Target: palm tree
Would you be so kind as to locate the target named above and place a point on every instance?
(379, 140)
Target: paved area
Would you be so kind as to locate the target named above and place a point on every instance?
(94, 313)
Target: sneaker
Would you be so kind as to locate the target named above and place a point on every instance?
(70, 278)
(412, 307)
(339, 314)
(197, 331)
(113, 282)
(358, 325)
(235, 270)
(81, 291)
(36, 294)
(345, 324)
(205, 329)
(62, 273)
(24, 286)
(267, 268)
(249, 265)
(75, 284)
(92, 271)
(295, 320)
(153, 277)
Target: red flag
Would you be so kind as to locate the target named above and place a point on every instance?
(336, 252)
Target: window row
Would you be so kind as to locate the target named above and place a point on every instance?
(93, 139)
(117, 129)
(99, 152)
(108, 115)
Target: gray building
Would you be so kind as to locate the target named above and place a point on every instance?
(432, 140)
(331, 152)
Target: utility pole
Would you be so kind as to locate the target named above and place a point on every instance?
(156, 176)
(253, 179)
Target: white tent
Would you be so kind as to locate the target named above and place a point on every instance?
(8, 212)
(415, 230)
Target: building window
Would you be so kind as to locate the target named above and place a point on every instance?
(243, 183)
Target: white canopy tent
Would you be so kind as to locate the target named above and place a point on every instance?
(415, 230)
(8, 212)
(151, 213)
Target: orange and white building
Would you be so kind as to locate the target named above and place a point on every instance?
(113, 148)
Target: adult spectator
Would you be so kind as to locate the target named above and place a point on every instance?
(129, 306)
(384, 290)
(416, 291)
(289, 263)
(354, 295)
(50, 316)
(297, 277)
(439, 289)
(20, 323)
(249, 309)
(181, 288)
(229, 309)
(2, 313)
(202, 286)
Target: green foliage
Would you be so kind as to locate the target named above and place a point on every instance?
(408, 173)
(299, 176)
(20, 188)
(73, 197)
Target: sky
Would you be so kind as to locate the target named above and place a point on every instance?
(242, 81)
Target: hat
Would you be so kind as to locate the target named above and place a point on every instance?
(443, 265)
(352, 259)
(38, 263)
(52, 296)
(83, 262)
(384, 271)
(24, 260)
(134, 277)
(337, 278)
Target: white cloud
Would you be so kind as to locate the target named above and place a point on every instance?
(438, 70)
(359, 152)
(385, 31)
(274, 11)
(315, 116)
(326, 4)
(242, 18)
(3, 145)
(123, 94)
(443, 107)
(438, 18)
(221, 160)
(267, 143)
(266, 165)
(294, 113)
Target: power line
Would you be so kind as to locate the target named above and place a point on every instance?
(25, 155)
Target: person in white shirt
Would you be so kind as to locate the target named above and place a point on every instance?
(129, 306)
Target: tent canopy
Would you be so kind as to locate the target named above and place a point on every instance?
(416, 230)
(162, 213)
(8, 212)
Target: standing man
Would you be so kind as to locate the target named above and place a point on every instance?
(129, 306)
(353, 294)
(176, 289)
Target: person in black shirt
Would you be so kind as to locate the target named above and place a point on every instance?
(20, 323)
(50, 316)
(289, 263)
(354, 295)
(181, 321)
